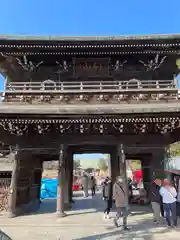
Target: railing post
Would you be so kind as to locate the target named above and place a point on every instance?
(62, 87)
(119, 85)
(157, 84)
(81, 86)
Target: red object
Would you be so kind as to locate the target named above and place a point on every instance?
(137, 176)
(75, 187)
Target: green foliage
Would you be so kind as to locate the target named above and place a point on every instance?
(174, 149)
(135, 165)
(76, 164)
(102, 164)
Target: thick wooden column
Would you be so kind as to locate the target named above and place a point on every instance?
(67, 204)
(60, 191)
(122, 166)
(158, 162)
(115, 171)
(70, 163)
(146, 163)
(13, 187)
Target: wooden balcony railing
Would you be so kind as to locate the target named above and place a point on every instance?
(90, 87)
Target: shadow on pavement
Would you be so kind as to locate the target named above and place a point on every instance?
(89, 205)
(143, 230)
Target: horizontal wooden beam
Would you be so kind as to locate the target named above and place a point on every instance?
(82, 109)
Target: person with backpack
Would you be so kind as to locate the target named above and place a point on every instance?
(121, 201)
(107, 197)
(169, 194)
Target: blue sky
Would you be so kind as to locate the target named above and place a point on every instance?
(78, 17)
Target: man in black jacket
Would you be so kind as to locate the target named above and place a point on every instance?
(107, 196)
(155, 199)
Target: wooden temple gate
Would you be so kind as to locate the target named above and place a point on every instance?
(75, 95)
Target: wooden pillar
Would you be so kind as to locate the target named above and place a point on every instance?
(13, 187)
(67, 204)
(70, 162)
(159, 159)
(146, 163)
(123, 174)
(60, 191)
(114, 164)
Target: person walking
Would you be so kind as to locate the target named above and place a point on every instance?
(92, 185)
(85, 185)
(155, 198)
(107, 197)
(169, 194)
(121, 201)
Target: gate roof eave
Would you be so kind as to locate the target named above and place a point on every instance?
(97, 109)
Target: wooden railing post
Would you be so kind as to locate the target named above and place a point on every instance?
(81, 86)
(157, 84)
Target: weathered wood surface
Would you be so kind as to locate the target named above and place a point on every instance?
(49, 86)
(90, 109)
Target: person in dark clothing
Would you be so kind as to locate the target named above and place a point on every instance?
(93, 185)
(107, 196)
(155, 198)
(130, 189)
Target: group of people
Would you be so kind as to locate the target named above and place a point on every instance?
(117, 193)
(88, 184)
(163, 200)
(162, 196)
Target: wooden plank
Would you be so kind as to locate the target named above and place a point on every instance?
(96, 109)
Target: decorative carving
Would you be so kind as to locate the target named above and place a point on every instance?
(101, 128)
(119, 65)
(103, 97)
(119, 127)
(10, 61)
(140, 128)
(119, 97)
(67, 98)
(48, 85)
(45, 98)
(133, 83)
(42, 128)
(28, 65)
(62, 128)
(82, 128)
(62, 66)
(82, 98)
(97, 125)
(26, 99)
(153, 64)
(13, 128)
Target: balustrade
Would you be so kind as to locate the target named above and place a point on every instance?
(50, 86)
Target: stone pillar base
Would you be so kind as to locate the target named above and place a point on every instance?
(67, 206)
(61, 214)
(32, 206)
(11, 215)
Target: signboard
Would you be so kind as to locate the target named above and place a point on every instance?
(91, 67)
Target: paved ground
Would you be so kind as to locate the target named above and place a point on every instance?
(84, 222)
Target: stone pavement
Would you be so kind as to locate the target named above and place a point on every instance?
(85, 222)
